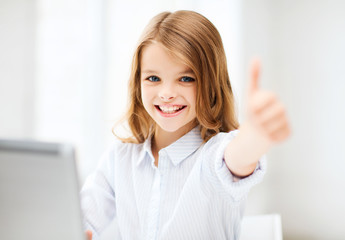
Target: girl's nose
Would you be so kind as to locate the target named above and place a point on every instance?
(167, 93)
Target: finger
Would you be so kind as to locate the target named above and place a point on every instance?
(276, 126)
(272, 113)
(89, 235)
(261, 101)
(282, 134)
(254, 75)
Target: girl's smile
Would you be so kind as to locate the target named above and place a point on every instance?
(168, 110)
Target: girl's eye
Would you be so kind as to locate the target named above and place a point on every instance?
(153, 78)
(187, 79)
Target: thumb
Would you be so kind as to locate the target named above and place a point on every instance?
(254, 76)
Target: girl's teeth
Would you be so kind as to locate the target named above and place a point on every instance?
(169, 109)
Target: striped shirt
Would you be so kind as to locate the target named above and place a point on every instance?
(190, 195)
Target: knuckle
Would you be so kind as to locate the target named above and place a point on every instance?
(272, 96)
(254, 107)
(281, 108)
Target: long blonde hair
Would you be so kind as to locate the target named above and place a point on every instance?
(195, 41)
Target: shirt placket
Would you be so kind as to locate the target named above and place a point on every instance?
(154, 209)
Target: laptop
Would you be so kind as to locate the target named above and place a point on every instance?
(39, 192)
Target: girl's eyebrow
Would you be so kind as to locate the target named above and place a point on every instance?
(149, 72)
(189, 71)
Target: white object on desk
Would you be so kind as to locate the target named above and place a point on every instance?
(261, 227)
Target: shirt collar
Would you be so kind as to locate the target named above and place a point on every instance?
(179, 150)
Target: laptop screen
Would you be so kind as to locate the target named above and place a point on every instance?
(39, 191)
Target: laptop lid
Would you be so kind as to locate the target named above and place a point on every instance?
(39, 192)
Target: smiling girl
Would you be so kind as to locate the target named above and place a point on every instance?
(187, 169)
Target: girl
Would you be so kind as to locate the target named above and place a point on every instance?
(186, 170)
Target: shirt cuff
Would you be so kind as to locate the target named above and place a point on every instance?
(232, 188)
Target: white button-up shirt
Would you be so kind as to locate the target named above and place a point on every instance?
(190, 195)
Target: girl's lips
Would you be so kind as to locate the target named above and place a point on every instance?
(170, 110)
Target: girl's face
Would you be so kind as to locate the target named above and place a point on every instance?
(168, 90)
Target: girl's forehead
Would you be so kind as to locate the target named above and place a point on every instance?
(156, 57)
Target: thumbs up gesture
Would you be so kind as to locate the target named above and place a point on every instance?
(264, 112)
(265, 124)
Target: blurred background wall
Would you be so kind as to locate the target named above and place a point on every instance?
(17, 62)
(64, 67)
(302, 47)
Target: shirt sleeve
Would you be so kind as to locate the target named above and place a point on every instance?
(98, 195)
(218, 174)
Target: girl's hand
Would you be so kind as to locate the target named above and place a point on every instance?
(266, 115)
(265, 124)
(89, 235)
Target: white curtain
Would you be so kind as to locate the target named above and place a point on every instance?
(70, 76)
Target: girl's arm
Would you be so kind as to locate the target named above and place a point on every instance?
(266, 124)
